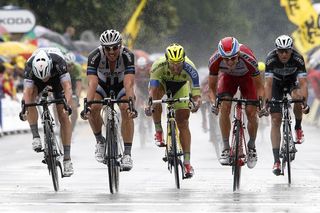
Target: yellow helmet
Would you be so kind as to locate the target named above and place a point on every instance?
(175, 53)
(261, 66)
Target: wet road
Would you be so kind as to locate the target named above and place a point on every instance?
(25, 185)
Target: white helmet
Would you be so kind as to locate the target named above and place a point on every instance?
(284, 42)
(70, 58)
(41, 65)
(142, 62)
(110, 37)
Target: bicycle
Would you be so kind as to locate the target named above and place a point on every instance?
(288, 150)
(114, 149)
(53, 149)
(173, 150)
(238, 149)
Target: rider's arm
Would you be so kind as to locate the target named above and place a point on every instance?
(27, 94)
(128, 83)
(65, 81)
(258, 82)
(303, 84)
(92, 75)
(92, 86)
(213, 80)
(268, 87)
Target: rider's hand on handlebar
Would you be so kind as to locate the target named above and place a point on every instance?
(68, 110)
(214, 109)
(23, 117)
(196, 104)
(132, 113)
(85, 113)
(305, 109)
(148, 110)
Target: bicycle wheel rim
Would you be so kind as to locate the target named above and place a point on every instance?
(236, 165)
(50, 159)
(288, 152)
(175, 154)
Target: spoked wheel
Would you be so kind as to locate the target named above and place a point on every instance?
(176, 160)
(51, 158)
(236, 167)
(112, 154)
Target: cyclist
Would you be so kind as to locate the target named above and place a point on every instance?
(237, 67)
(111, 68)
(285, 68)
(75, 71)
(142, 76)
(47, 67)
(177, 73)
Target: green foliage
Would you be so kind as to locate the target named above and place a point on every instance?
(197, 24)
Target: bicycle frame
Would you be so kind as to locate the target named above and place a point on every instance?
(238, 148)
(287, 139)
(114, 150)
(173, 151)
(53, 151)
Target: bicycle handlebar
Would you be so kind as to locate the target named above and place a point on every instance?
(283, 101)
(241, 101)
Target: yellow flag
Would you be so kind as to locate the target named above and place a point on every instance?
(303, 14)
(132, 28)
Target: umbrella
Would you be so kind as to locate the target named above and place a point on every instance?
(13, 48)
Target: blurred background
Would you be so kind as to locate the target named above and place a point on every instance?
(151, 25)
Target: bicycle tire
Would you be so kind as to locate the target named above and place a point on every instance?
(236, 167)
(112, 152)
(175, 153)
(50, 158)
(287, 138)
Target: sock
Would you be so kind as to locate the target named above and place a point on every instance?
(34, 130)
(251, 143)
(158, 126)
(276, 154)
(226, 144)
(186, 158)
(66, 149)
(298, 124)
(99, 137)
(127, 149)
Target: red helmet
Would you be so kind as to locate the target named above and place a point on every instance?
(228, 47)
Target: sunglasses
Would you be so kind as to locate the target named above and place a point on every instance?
(109, 48)
(281, 51)
(231, 58)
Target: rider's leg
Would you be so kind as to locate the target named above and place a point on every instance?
(74, 115)
(276, 134)
(182, 119)
(32, 115)
(65, 130)
(95, 119)
(225, 123)
(127, 128)
(297, 108)
(157, 94)
(251, 112)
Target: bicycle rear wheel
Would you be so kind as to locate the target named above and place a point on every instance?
(176, 160)
(236, 167)
(50, 156)
(112, 154)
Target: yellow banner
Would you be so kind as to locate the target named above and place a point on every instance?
(303, 14)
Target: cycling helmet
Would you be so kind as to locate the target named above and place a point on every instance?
(70, 58)
(228, 47)
(142, 62)
(110, 38)
(175, 53)
(284, 42)
(41, 65)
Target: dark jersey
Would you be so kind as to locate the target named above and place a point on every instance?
(289, 71)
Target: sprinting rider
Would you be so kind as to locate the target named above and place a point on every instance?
(285, 68)
(48, 67)
(237, 67)
(173, 72)
(111, 68)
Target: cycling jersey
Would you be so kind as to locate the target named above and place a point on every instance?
(58, 74)
(110, 80)
(284, 75)
(241, 76)
(161, 74)
(75, 74)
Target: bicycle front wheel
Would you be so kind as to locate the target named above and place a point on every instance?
(236, 167)
(112, 155)
(287, 155)
(175, 157)
(50, 156)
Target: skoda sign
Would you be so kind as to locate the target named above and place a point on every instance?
(17, 21)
